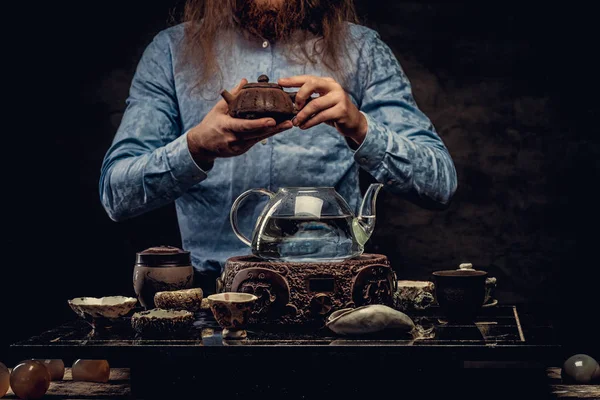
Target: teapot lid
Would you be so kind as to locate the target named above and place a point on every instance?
(163, 256)
(263, 82)
(467, 267)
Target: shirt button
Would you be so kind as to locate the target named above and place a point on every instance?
(264, 141)
(391, 182)
(363, 160)
(265, 44)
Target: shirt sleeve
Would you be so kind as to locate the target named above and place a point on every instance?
(148, 164)
(401, 149)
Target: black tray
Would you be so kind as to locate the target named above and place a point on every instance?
(498, 334)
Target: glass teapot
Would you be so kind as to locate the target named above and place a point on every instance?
(308, 224)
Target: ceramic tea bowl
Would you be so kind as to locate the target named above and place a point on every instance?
(232, 311)
(103, 312)
(460, 293)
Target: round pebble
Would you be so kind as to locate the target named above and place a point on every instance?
(91, 370)
(580, 369)
(4, 379)
(30, 380)
(55, 367)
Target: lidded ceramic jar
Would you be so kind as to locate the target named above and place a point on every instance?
(161, 269)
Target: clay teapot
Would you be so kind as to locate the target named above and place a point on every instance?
(262, 100)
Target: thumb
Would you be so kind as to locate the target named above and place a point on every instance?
(239, 87)
(222, 104)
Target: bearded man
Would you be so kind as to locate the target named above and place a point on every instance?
(176, 142)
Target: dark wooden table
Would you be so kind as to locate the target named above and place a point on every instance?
(441, 359)
(118, 387)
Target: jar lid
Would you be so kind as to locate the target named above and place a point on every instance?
(163, 256)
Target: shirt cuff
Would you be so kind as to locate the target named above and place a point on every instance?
(371, 151)
(183, 167)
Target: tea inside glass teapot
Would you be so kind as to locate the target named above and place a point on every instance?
(308, 224)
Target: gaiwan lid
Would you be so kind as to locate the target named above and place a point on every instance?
(163, 256)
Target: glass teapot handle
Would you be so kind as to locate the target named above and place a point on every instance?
(234, 209)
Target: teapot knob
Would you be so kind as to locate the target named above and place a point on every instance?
(263, 79)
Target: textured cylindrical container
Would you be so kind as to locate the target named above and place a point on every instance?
(161, 269)
(460, 293)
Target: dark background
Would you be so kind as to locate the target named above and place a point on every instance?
(510, 88)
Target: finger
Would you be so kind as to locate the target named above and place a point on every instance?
(331, 114)
(315, 106)
(295, 81)
(320, 86)
(222, 104)
(239, 87)
(249, 125)
(284, 126)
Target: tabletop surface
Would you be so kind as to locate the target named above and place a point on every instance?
(501, 330)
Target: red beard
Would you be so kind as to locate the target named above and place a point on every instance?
(269, 22)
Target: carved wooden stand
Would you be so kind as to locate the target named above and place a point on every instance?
(300, 293)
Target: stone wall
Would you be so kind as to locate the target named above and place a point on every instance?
(496, 81)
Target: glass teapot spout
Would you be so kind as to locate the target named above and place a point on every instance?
(364, 224)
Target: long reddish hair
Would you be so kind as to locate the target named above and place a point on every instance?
(323, 19)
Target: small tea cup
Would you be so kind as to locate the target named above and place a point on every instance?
(232, 311)
(460, 293)
(104, 312)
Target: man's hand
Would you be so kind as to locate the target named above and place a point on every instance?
(219, 135)
(333, 106)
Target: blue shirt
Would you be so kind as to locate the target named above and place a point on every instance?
(149, 164)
